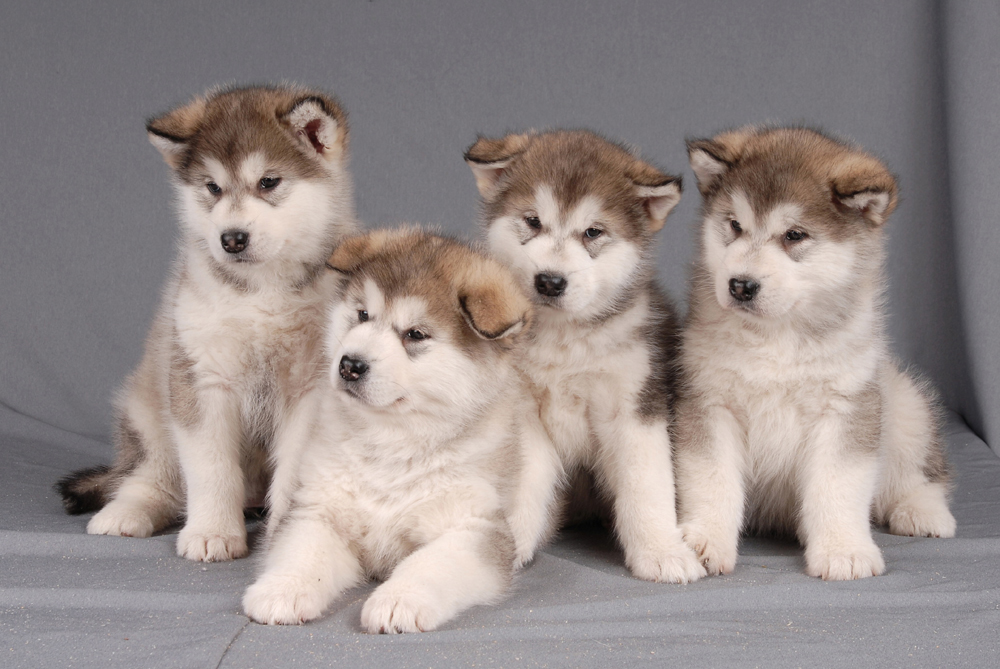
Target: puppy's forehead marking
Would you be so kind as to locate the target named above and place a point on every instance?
(407, 310)
(547, 205)
(782, 217)
(742, 210)
(374, 299)
(252, 168)
(585, 213)
(217, 171)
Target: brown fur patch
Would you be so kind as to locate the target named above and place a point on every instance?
(475, 294)
(575, 164)
(216, 126)
(183, 398)
(662, 331)
(778, 165)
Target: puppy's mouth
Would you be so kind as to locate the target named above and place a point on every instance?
(358, 395)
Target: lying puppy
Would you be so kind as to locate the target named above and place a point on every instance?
(794, 417)
(407, 470)
(575, 216)
(261, 176)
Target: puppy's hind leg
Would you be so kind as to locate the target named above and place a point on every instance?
(463, 567)
(913, 493)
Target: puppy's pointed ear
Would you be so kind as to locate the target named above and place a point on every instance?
(711, 158)
(488, 159)
(172, 132)
(863, 184)
(493, 305)
(355, 251)
(319, 125)
(660, 192)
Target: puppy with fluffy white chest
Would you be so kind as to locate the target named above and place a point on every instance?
(793, 417)
(575, 216)
(205, 420)
(407, 471)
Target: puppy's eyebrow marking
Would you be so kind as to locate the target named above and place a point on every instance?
(374, 299)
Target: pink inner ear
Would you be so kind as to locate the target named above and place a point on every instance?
(312, 132)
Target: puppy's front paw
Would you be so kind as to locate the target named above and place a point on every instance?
(845, 563)
(211, 547)
(916, 517)
(392, 610)
(674, 564)
(121, 521)
(282, 601)
(716, 553)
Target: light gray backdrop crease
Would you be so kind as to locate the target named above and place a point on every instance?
(88, 228)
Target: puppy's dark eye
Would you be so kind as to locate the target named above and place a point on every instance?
(533, 222)
(794, 236)
(416, 335)
(267, 183)
(593, 233)
(362, 315)
(213, 188)
(735, 225)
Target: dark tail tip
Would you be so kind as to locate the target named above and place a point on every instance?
(83, 491)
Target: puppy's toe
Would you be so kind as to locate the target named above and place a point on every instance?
(393, 610)
(121, 521)
(281, 601)
(211, 547)
(716, 554)
(845, 564)
(676, 564)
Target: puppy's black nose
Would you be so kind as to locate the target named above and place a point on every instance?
(234, 241)
(743, 289)
(550, 285)
(351, 369)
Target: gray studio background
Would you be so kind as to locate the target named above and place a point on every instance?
(86, 215)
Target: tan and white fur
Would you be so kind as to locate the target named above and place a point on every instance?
(575, 216)
(263, 196)
(407, 471)
(793, 416)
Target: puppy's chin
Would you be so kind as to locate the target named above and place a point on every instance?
(356, 396)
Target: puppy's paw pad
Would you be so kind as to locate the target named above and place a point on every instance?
(677, 564)
(120, 522)
(391, 611)
(715, 559)
(845, 565)
(211, 547)
(915, 520)
(274, 601)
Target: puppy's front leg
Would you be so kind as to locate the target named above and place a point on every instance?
(532, 516)
(463, 567)
(208, 446)
(710, 498)
(633, 463)
(307, 566)
(292, 433)
(838, 484)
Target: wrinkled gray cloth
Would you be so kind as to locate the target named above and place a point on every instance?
(73, 600)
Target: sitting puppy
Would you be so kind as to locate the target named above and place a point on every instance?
(406, 473)
(261, 176)
(793, 416)
(575, 216)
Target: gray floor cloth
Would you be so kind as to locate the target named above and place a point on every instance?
(74, 600)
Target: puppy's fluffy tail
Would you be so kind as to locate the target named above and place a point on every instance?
(85, 490)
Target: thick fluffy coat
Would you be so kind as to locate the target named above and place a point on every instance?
(575, 216)
(264, 197)
(793, 416)
(407, 470)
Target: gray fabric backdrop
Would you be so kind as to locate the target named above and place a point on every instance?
(88, 234)
(86, 207)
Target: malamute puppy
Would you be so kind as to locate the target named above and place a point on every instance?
(575, 216)
(793, 416)
(406, 472)
(264, 197)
